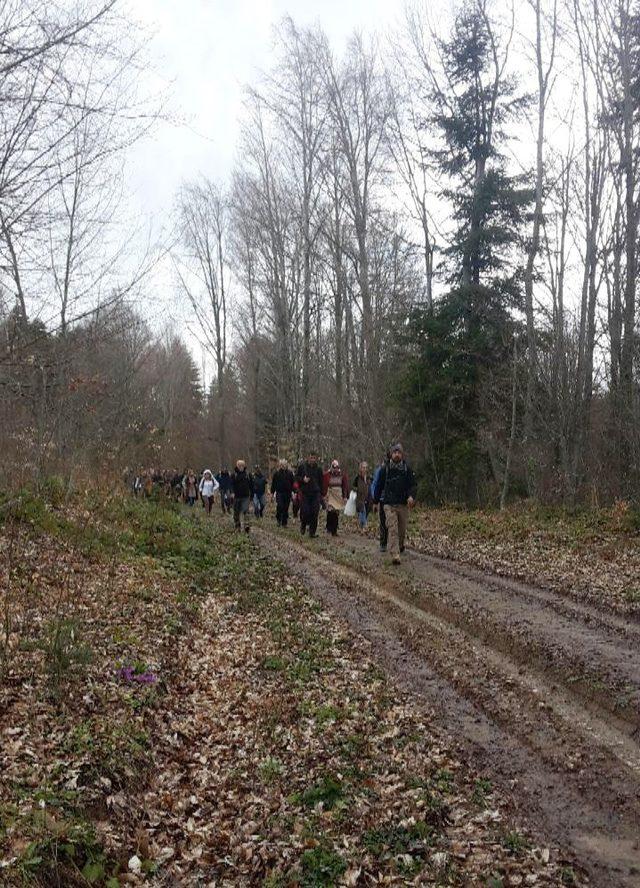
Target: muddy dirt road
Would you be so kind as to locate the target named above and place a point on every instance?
(542, 692)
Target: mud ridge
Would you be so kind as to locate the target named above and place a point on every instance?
(571, 775)
(591, 660)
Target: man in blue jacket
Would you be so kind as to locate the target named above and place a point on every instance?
(396, 488)
(383, 534)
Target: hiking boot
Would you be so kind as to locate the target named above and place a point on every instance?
(396, 559)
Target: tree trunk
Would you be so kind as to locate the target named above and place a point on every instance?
(512, 437)
(532, 253)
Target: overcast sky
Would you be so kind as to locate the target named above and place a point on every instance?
(207, 50)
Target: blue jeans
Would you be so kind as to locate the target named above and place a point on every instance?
(362, 518)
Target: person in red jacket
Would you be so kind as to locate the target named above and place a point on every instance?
(336, 493)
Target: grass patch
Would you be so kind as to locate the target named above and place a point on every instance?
(64, 651)
(118, 753)
(274, 663)
(481, 790)
(515, 843)
(321, 866)
(65, 852)
(327, 792)
(270, 769)
(26, 507)
(325, 713)
(395, 839)
(59, 845)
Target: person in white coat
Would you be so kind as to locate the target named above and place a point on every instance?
(208, 487)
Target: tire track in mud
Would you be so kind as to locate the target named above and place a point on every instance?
(570, 772)
(628, 626)
(594, 655)
(532, 686)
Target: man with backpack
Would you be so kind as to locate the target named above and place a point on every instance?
(396, 488)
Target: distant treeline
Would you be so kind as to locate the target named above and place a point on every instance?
(432, 237)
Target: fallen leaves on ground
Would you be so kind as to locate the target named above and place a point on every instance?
(268, 748)
(591, 556)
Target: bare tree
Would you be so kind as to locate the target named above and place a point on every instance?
(411, 139)
(244, 245)
(613, 33)
(203, 275)
(70, 105)
(294, 95)
(593, 175)
(544, 71)
(359, 108)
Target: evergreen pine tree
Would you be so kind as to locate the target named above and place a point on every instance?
(473, 324)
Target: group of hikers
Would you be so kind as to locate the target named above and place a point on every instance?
(189, 486)
(390, 491)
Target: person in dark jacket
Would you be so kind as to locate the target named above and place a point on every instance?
(296, 499)
(226, 496)
(176, 485)
(310, 478)
(362, 487)
(242, 487)
(259, 492)
(396, 487)
(379, 507)
(190, 487)
(282, 488)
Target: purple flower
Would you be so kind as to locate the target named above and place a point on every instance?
(145, 678)
(128, 674)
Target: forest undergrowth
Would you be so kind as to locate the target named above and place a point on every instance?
(592, 555)
(176, 710)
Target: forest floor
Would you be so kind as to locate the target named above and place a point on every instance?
(591, 555)
(540, 685)
(183, 705)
